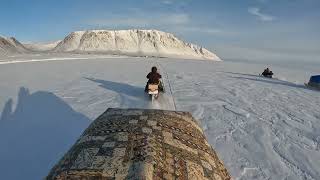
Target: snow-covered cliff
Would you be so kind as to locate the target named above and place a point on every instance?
(133, 42)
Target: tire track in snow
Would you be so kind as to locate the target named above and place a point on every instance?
(167, 100)
(237, 111)
(290, 165)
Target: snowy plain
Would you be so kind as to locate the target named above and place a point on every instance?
(261, 128)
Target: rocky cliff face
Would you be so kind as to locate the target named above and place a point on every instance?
(11, 46)
(133, 42)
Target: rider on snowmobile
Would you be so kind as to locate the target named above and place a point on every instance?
(154, 78)
(267, 73)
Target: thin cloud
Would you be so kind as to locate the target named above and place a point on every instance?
(176, 22)
(262, 1)
(143, 21)
(257, 12)
(168, 2)
(205, 30)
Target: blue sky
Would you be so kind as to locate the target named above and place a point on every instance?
(243, 29)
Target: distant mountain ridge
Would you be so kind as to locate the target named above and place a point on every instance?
(133, 43)
(46, 46)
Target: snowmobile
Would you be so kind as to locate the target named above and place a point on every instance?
(314, 82)
(266, 76)
(153, 91)
(267, 73)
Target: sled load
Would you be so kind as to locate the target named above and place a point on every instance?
(153, 91)
(314, 82)
(141, 144)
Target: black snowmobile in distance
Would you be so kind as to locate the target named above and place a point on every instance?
(267, 73)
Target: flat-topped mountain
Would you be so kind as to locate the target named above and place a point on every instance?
(133, 42)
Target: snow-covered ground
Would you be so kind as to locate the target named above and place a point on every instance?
(261, 128)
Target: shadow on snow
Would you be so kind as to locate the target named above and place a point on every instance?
(121, 88)
(259, 78)
(36, 134)
(131, 96)
(274, 81)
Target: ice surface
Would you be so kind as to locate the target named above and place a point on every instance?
(261, 128)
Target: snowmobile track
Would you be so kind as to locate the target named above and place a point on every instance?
(169, 84)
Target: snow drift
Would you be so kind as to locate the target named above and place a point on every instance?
(11, 46)
(133, 42)
(261, 128)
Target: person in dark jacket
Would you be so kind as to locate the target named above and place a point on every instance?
(154, 78)
(267, 73)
